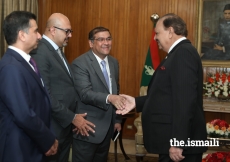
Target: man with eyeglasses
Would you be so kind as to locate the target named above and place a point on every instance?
(96, 75)
(58, 80)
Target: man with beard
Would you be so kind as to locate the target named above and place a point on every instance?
(223, 40)
(221, 50)
(59, 82)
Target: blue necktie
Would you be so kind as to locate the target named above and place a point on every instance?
(104, 71)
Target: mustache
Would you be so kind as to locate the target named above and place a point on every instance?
(67, 38)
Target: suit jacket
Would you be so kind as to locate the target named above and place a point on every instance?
(59, 85)
(92, 92)
(25, 133)
(173, 107)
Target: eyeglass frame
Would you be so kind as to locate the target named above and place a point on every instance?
(68, 31)
(108, 39)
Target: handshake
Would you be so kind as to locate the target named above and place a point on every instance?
(123, 103)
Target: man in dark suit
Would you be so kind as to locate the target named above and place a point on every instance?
(25, 133)
(96, 76)
(221, 49)
(59, 82)
(173, 106)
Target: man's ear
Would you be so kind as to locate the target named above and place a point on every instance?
(21, 36)
(171, 31)
(91, 43)
(52, 30)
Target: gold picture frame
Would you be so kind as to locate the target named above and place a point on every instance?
(207, 27)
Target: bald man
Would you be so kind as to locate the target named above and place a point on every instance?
(58, 80)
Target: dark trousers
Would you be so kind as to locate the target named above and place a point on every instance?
(63, 150)
(188, 158)
(83, 151)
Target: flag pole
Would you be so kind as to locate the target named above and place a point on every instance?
(154, 17)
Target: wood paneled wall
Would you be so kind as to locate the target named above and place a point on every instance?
(130, 25)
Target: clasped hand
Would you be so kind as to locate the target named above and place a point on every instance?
(124, 104)
(82, 125)
(218, 47)
(176, 154)
(53, 149)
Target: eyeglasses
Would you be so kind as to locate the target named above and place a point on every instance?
(68, 31)
(109, 39)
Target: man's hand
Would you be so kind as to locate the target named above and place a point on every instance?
(53, 149)
(176, 154)
(117, 127)
(129, 104)
(82, 126)
(217, 47)
(117, 101)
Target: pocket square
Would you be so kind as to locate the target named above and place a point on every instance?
(162, 68)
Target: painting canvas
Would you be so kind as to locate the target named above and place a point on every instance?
(215, 30)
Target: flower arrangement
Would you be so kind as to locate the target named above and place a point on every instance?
(218, 85)
(218, 129)
(217, 157)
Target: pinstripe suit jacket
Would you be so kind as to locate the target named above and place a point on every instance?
(173, 107)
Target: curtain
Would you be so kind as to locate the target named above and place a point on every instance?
(6, 7)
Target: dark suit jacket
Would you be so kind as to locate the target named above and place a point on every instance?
(25, 133)
(59, 85)
(173, 107)
(92, 92)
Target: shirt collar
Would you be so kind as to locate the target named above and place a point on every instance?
(99, 59)
(20, 52)
(55, 46)
(175, 43)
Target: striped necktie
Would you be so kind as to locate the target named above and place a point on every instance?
(62, 58)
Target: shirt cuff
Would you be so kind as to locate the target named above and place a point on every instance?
(74, 117)
(223, 49)
(107, 102)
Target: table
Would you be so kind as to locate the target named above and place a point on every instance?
(212, 104)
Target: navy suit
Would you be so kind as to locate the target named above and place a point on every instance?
(25, 134)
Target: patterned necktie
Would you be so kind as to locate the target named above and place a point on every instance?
(62, 58)
(104, 71)
(33, 63)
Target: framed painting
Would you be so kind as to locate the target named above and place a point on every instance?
(213, 36)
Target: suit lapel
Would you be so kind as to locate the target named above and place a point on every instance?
(112, 75)
(152, 78)
(56, 56)
(97, 69)
(168, 55)
(66, 64)
(27, 67)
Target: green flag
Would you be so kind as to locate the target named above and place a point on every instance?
(152, 61)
